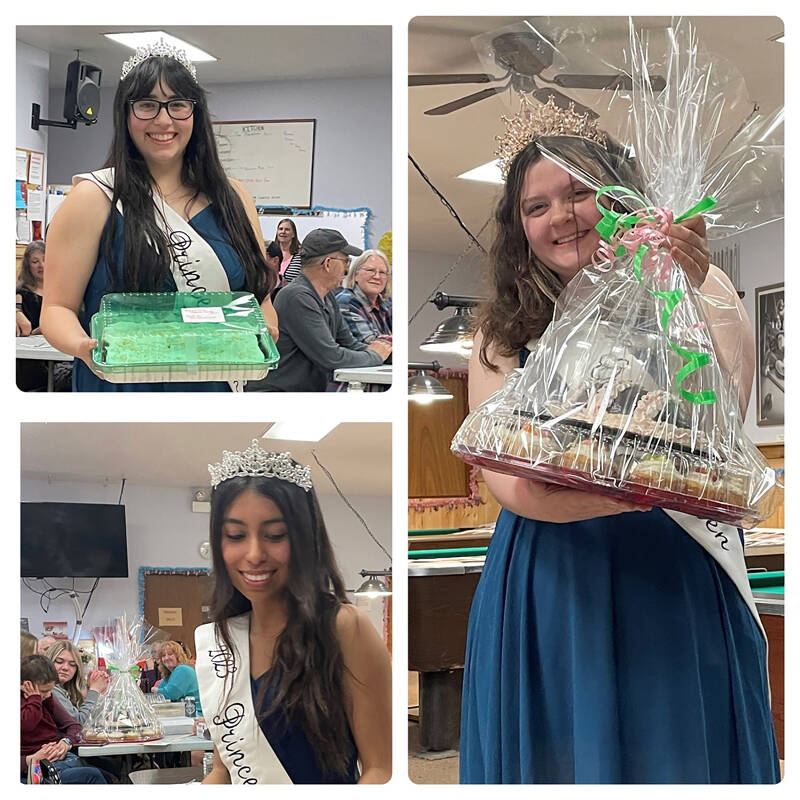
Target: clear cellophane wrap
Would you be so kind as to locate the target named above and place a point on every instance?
(634, 388)
(122, 713)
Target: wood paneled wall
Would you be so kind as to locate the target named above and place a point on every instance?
(432, 470)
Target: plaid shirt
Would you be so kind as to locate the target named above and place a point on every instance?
(366, 322)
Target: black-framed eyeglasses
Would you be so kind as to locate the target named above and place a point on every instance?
(346, 260)
(177, 108)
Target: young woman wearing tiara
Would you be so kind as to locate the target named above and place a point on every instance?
(605, 644)
(162, 202)
(295, 682)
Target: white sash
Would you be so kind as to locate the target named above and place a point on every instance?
(227, 700)
(194, 264)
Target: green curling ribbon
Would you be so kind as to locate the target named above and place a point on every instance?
(613, 221)
(133, 670)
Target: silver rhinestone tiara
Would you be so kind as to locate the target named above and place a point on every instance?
(160, 48)
(255, 462)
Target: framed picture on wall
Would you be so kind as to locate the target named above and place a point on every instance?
(770, 380)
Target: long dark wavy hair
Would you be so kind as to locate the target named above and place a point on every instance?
(146, 257)
(294, 245)
(307, 668)
(522, 290)
(26, 279)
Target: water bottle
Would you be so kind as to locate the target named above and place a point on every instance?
(189, 706)
(208, 763)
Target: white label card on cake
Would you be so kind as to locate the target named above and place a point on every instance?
(202, 314)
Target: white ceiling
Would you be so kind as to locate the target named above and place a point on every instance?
(358, 454)
(446, 146)
(246, 54)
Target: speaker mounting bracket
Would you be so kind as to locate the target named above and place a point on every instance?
(37, 121)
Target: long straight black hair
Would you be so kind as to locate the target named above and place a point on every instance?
(146, 258)
(307, 668)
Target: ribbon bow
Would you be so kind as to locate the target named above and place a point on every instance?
(641, 234)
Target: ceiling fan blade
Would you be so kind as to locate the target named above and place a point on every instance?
(463, 102)
(562, 101)
(442, 80)
(604, 82)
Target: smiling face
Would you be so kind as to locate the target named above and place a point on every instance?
(285, 234)
(255, 546)
(558, 215)
(372, 276)
(162, 139)
(169, 659)
(65, 665)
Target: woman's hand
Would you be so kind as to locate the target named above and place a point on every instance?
(23, 325)
(98, 680)
(84, 352)
(690, 248)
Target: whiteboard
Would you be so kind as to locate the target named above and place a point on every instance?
(274, 159)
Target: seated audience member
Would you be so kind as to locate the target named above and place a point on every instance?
(286, 237)
(150, 674)
(366, 304)
(366, 299)
(45, 643)
(46, 729)
(314, 338)
(69, 691)
(28, 643)
(29, 289)
(31, 373)
(178, 678)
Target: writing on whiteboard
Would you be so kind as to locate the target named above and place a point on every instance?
(274, 159)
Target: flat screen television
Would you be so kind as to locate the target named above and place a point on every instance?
(73, 540)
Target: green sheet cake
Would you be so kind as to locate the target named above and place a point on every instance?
(181, 337)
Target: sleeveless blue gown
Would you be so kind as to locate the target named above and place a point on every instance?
(613, 650)
(83, 379)
(293, 749)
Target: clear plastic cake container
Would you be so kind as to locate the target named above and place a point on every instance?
(629, 467)
(181, 336)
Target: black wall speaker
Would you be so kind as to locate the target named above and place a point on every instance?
(82, 94)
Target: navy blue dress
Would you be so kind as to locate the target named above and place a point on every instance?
(293, 749)
(613, 650)
(204, 222)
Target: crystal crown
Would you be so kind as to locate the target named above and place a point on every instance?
(160, 48)
(536, 119)
(255, 462)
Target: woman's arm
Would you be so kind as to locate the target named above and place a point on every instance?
(73, 241)
(729, 325)
(181, 683)
(529, 498)
(368, 683)
(219, 773)
(23, 323)
(267, 309)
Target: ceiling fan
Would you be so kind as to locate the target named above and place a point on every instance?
(523, 56)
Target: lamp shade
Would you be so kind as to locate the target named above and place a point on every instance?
(424, 388)
(454, 335)
(373, 586)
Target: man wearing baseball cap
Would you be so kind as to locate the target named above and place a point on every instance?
(313, 337)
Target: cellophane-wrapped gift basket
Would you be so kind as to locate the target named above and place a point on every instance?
(625, 392)
(122, 713)
(181, 336)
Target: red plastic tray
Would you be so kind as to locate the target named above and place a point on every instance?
(630, 492)
(99, 742)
